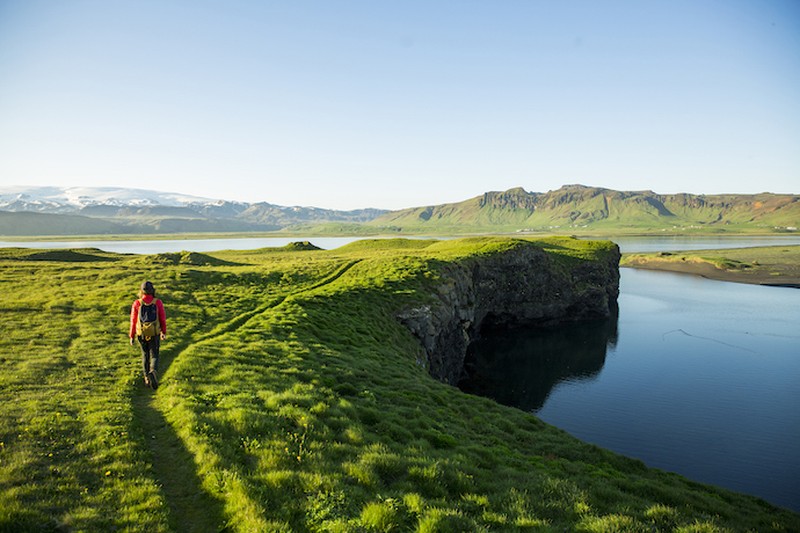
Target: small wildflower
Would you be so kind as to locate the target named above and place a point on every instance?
(108, 473)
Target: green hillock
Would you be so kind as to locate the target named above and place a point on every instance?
(292, 399)
(301, 246)
(185, 258)
(76, 255)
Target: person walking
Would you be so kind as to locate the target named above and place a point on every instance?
(149, 327)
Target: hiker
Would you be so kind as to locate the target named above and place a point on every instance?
(149, 326)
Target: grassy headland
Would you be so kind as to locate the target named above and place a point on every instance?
(291, 400)
(768, 265)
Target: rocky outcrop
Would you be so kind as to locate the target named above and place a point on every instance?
(521, 286)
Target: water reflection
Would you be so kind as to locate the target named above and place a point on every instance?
(701, 380)
(520, 367)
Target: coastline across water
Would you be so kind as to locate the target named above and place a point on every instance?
(769, 265)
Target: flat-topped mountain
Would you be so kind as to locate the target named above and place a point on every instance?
(578, 206)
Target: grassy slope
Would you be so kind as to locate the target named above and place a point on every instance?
(764, 265)
(292, 400)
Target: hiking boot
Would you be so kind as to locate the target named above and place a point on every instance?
(146, 380)
(153, 379)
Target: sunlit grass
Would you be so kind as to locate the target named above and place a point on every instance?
(291, 400)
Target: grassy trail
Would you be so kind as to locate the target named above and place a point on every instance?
(241, 319)
(191, 507)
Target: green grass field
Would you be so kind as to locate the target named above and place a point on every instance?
(291, 400)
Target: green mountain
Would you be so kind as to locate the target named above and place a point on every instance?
(577, 207)
(26, 223)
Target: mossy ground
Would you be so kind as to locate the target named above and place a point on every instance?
(291, 400)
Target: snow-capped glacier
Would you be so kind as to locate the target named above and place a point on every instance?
(19, 198)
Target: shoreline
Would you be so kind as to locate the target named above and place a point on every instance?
(716, 274)
(381, 232)
(770, 266)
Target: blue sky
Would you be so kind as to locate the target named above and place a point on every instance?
(390, 104)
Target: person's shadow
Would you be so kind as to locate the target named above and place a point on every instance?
(191, 507)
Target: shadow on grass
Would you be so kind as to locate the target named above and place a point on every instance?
(191, 507)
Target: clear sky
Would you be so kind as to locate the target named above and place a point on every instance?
(390, 104)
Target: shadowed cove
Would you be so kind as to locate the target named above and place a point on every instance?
(519, 367)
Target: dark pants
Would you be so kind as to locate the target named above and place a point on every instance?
(150, 354)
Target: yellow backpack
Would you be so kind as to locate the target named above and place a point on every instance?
(147, 326)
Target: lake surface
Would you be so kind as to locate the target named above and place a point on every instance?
(674, 243)
(694, 376)
(626, 244)
(178, 245)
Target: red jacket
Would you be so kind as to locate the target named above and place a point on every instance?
(162, 316)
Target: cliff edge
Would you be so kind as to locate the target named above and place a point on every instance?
(523, 285)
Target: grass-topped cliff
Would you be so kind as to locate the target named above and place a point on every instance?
(292, 399)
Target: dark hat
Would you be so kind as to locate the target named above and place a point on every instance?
(147, 288)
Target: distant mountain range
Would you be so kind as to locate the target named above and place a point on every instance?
(107, 210)
(112, 210)
(577, 207)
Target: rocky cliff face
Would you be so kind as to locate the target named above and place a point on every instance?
(522, 286)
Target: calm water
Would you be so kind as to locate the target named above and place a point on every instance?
(665, 244)
(627, 244)
(177, 245)
(695, 376)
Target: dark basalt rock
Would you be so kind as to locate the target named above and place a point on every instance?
(522, 286)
